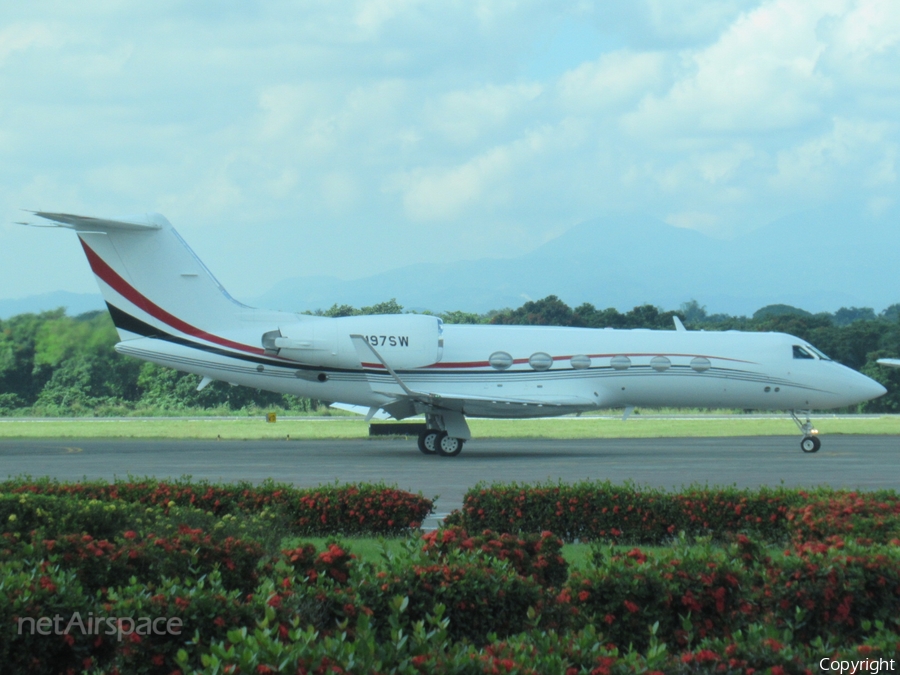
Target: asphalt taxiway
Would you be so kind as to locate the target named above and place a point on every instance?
(856, 462)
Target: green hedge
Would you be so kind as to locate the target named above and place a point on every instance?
(459, 611)
(366, 509)
(454, 601)
(591, 511)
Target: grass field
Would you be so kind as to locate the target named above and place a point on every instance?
(372, 550)
(314, 428)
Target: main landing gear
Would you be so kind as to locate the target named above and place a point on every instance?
(810, 441)
(432, 441)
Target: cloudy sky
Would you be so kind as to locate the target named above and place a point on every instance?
(287, 138)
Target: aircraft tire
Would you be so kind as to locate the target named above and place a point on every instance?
(810, 444)
(447, 446)
(428, 441)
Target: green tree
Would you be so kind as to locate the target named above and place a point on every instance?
(463, 317)
(549, 311)
(847, 315)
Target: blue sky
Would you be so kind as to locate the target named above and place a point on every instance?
(286, 138)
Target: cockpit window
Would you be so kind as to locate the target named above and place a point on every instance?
(817, 352)
(801, 353)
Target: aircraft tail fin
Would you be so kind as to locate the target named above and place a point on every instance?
(150, 278)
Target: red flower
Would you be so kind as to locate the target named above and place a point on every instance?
(631, 607)
(705, 655)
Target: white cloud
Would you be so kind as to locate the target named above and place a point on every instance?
(863, 47)
(23, 36)
(615, 78)
(379, 121)
(852, 150)
(463, 116)
(445, 194)
(759, 76)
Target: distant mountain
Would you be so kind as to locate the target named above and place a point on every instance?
(818, 260)
(75, 303)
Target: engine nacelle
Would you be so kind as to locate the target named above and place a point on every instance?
(403, 340)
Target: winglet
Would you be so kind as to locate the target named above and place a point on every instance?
(678, 325)
(891, 363)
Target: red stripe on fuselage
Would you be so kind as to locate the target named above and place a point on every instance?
(123, 288)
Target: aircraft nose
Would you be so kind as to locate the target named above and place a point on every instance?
(876, 389)
(867, 388)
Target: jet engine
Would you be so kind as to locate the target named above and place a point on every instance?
(403, 340)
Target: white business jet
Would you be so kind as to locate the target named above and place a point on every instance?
(169, 309)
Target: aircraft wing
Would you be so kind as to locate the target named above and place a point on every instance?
(891, 363)
(405, 405)
(361, 410)
(405, 399)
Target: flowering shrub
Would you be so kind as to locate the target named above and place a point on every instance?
(873, 517)
(836, 588)
(29, 592)
(372, 509)
(592, 511)
(23, 513)
(355, 510)
(691, 593)
(479, 595)
(100, 563)
(334, 562)
(452, 601)
(536, 556)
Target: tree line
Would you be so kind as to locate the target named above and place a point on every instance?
(52, 364)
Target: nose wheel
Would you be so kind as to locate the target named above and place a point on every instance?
(810, 444)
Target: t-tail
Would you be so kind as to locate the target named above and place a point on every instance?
(153, 283)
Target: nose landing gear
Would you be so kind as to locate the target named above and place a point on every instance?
(810, 441)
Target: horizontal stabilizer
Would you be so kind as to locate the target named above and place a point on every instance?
(892, 363)
(151, 221)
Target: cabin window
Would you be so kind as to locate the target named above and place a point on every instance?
(801, 353)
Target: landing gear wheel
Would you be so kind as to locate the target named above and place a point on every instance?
(810, 444)
(448, 446)
(428, 441)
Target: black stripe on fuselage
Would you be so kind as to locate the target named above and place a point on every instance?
(126, 322)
